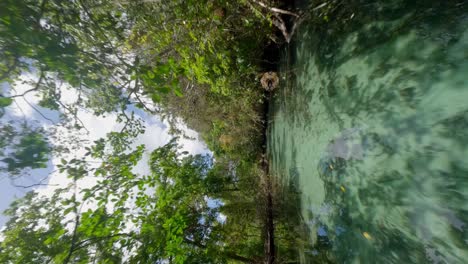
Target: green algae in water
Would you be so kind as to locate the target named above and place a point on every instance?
(374, 133)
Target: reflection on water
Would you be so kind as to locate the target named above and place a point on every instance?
(374, 131)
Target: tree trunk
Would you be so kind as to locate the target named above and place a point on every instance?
(270, 228)
(270, 251)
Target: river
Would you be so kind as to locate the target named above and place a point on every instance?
(370, 127)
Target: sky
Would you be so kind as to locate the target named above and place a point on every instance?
(156, 135)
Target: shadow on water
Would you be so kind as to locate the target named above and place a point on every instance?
(369, 134)
(292, 234)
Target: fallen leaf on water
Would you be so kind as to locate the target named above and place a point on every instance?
(343, 189)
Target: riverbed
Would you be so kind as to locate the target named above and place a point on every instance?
(370, 126)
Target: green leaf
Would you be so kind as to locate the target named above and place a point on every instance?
(49, 240)
(150, 74)
(67, 211)
(156, 97)
(164, 89)
(4, 102)
(164, 69)
(178, 92)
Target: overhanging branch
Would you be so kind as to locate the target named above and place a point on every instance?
(274, 9)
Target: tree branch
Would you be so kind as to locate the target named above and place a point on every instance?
(320, 6)
(35, 88)
(83, 244)
(145, 107)
(35, 184)
(103, 32)
(274, 9)
(37, 110)
(77, 223)
(74, 114)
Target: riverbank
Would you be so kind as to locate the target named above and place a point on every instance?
(233, 121)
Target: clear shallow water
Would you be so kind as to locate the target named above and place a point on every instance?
(371, 127)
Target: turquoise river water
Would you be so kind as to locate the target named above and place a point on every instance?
(370, 125)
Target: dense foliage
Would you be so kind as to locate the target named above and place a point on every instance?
(195, 59)
(190, 61)
(134, 218)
